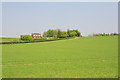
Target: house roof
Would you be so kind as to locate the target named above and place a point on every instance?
(36, 34)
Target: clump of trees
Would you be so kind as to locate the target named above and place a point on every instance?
(61, 34)
(50, 33)
(106, 34)
(26, 37)
(72, 33)
(53, 35)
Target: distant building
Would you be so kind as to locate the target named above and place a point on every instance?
(36, 35)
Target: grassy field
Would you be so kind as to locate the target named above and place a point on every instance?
(86, 57)
(8, 39)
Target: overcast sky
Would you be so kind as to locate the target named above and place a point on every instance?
(88, 17)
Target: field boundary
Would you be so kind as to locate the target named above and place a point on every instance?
(37, 41)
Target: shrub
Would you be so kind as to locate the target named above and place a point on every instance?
(52, 38)
(26, 37)
(40, 39)
(63, 36)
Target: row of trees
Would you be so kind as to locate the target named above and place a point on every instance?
(105, 34)
(61, 34)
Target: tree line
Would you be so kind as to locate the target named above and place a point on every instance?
(105, 34)
(61, 34)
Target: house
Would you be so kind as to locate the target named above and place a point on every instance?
(36, 35)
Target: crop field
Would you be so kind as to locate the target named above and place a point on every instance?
(85, 57)
(8, 39)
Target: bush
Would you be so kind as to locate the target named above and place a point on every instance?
(52, 38)
(40, 39)
(63, 36)
(46, 39)
(26, 37)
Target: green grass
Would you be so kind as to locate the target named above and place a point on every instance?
(86, 57)
(8, 39)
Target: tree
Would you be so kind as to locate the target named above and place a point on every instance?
(26, 37)
(107, 34)
(103, 34)
(55, 33)
(59, 33)
(112, 34)
(50, 33)
(68, 32)
(45, 34)
(78, 33)
(22, 37)
(64, 34)
(115, 33)
(73, 34)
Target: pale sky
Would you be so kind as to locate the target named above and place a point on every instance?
(87, 17)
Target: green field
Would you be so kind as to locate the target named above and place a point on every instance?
(8, 39)
(86, 57)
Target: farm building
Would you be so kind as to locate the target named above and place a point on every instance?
(36, 35)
